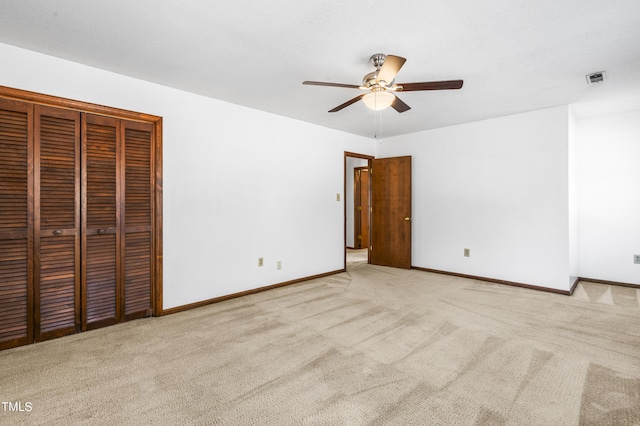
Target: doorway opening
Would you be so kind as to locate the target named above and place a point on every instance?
(385, 198)
(357, 206)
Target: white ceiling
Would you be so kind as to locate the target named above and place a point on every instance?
(513, 55)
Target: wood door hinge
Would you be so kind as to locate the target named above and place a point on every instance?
(359, 237)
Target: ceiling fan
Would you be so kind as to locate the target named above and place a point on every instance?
(380, 85)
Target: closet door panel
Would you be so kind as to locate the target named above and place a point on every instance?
(138, 275)
(101, 288)
(138, 213)
(57, 222)
(101, 222)
(15, 316)
(16, 198)
(57, 290)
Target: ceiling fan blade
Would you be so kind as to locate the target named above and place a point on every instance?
(399, 106)
(321, 83)
(346, 104)
(431, 85)
(390, 68)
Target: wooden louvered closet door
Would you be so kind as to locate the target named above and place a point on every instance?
(101, 283)
(138, 219)
(117, 194)
(78, 225)
(16, 224)
(57, 222)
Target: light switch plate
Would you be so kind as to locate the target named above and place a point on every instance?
(636, 258)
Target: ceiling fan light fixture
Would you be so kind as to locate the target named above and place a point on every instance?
(378, 100)
(380, 85)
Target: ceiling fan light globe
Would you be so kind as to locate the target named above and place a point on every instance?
(378, 100)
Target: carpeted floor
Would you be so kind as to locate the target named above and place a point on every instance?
(372, 346)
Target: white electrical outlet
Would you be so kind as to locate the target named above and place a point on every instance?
(467, 252)
(636, 258)
(279, 264)
(261, 261)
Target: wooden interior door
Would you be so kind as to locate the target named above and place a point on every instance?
(361, 214)
(391, 212)
(16, 224)
(138, 219)
(101, 244)
(56, 222)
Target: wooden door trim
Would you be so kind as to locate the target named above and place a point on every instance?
(156, 153)
(42, 99)
(29, 97)
(369, 158)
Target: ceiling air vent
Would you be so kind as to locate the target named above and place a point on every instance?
(596, 77)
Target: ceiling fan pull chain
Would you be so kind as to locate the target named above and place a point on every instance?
(377, 125)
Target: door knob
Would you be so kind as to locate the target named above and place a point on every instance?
(407, 218)
(101, 231)
(57, 232)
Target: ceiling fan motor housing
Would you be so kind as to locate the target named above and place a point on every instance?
(378, 59)
(370, 80)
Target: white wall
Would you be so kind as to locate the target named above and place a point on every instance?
(609, 199)
(498, 187)
(352, 163)
(238, 183)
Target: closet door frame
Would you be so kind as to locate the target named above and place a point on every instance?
(156, 149)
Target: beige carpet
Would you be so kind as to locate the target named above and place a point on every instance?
(372, 346)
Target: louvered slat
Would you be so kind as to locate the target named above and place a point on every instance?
(15, 312)
(57, 284)
(101, 278)
(13, 291)
(138, 273)
(57, 172)
(13, 169)
(137, 177)
(101, 175)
